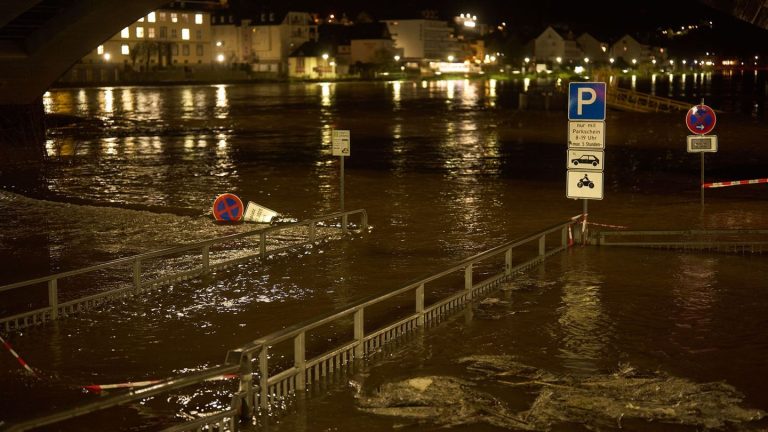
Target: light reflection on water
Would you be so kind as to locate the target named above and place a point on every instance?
(435, 170)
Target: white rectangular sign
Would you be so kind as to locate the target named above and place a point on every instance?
(586, 159)
(702, 143)
(584, 184)
(586, 134)
(341, 141)
(257, 213)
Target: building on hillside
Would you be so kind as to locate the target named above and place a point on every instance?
(592, 48)
(554, 48)
(424, 39)
(264, 40)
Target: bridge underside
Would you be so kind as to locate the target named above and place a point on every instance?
(39, 41)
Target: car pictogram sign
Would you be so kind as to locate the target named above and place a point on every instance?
(700, 119)
(227, 208)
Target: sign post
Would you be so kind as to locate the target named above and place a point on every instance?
(585, 158)
(701, 120)
(340, 147)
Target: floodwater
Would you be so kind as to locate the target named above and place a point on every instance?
(445, 169)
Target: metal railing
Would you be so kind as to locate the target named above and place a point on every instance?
(734, 241)
(642, 102)
(263, 384)
(133, 268)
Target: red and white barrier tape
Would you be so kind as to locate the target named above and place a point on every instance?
(98, 388)
(16, 355)
(733, 183)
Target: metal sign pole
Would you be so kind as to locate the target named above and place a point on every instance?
(342, 182)
(584, 223)
(702, 179)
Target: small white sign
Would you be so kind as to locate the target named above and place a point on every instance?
(582, 184)
(702, 143)
(257, 213)
(586, 159)
(586, 134)
(341, 141)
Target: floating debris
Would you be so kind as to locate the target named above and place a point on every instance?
(440, 400)
(597, 402)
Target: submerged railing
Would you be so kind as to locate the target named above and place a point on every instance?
(264, 383)
(642, 102)
(134, 269)
(732, 241)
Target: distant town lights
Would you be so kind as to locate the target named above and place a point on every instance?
(325, 56)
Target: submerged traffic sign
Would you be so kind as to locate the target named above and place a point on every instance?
(700, 119)
(227, 208)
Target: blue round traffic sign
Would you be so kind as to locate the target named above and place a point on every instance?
(227, 208)
(700, 119)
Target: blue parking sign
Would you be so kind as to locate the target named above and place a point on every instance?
(586, 101)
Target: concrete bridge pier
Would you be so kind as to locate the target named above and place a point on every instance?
(22, 133)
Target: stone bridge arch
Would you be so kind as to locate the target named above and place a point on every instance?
(39, 41)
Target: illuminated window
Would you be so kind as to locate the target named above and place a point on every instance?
(124, 49)
(100, 50)
(174, 17)
(161, 16)
(151, 17)
(139, 32)
(185, 34)
(151, 32)
(126, 33)
(198, 18)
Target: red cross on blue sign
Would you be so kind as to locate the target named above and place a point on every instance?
(700, 119)
(227, 208)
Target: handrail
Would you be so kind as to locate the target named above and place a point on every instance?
(288, 332)
(166, 385)
(270, 388)
(54, 308)
(175, 250)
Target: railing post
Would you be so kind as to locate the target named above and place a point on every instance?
(359, 332)
(468, 277)
(53, 298)
(344, 219)
(420, 305)
(206, 258)
(508, 261)
(312, 232)
(264, 377)
(246, 385)
(137, 275)
(364, 221)
(299, 360)
(542, 244)
(564, 236)
(262, 244)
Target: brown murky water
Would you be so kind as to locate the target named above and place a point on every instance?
(444, 169)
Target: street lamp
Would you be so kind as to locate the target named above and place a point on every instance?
(397, 58)
(325, 56)
(450, 58)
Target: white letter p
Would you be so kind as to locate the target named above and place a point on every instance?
(581, 101)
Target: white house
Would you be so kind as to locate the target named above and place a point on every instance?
(264, 41)
(424, 39)
(551, 46)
